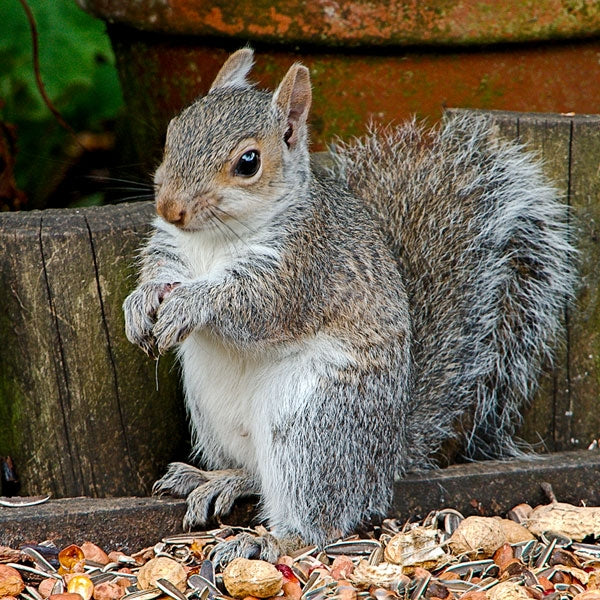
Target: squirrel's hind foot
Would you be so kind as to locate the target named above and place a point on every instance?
(244, 545)
(220, 491)
(179, 480)
(208, 493)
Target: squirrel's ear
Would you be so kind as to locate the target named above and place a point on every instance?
(293, 97)
(234, 71)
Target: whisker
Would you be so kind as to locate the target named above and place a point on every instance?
(226, 236)
(230, 216)
(140, 183)
(128, 189)
(228, 227)
(137, 197)
(232, 231)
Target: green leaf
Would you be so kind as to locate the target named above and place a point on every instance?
(77, 69)
(75, 57)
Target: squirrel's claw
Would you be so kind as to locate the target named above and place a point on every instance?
(140, 313)
(179, 480)
(169, 335)
(220, 492)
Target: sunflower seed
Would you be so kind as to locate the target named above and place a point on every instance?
(19, 501)
(38, 559)
(420, 589)
(199, 583)
(33, 592)
(546, 553)
(580, 549)
(102, 578)
(58, 587)
(207, 570)
(43, 574)
(459, 586)
(143, 594)
(352, 548)
(474, 566)
(168, 588)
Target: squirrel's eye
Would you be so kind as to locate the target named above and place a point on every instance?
(248, 164)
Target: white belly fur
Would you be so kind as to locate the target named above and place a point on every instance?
(234, 398)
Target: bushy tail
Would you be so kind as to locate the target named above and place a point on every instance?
(483, 243)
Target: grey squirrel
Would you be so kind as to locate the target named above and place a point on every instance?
(334, 329)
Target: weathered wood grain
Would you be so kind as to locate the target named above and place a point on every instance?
(584, 319)
(78, 401)
(89, 406)
(31, 384)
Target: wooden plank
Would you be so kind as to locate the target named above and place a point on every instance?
(127, 524)
(547, 422)
(584, 324)
(153, 422)
(90, 410)
(494, 487)
(79, 401)
(32, 389)
(507, 123)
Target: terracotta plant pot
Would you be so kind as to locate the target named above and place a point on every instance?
(369, 60)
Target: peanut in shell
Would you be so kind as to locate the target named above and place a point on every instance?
(574, 522)
(418, 547)
(243, 577)
(11, 582)
(477, 536)
(162, 567)
(515, 532)
(507, 590)
(384, 575)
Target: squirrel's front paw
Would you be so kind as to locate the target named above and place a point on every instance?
(176, 318)
(140, 309)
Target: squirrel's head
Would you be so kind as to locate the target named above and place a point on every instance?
(237, 151)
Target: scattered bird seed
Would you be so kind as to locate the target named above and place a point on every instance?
(551, 567)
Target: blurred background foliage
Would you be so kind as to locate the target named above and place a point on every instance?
(50, 166)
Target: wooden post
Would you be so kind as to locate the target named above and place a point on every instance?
(79, 410)
(584, 319)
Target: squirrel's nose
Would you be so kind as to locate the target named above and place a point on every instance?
(172, 211)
